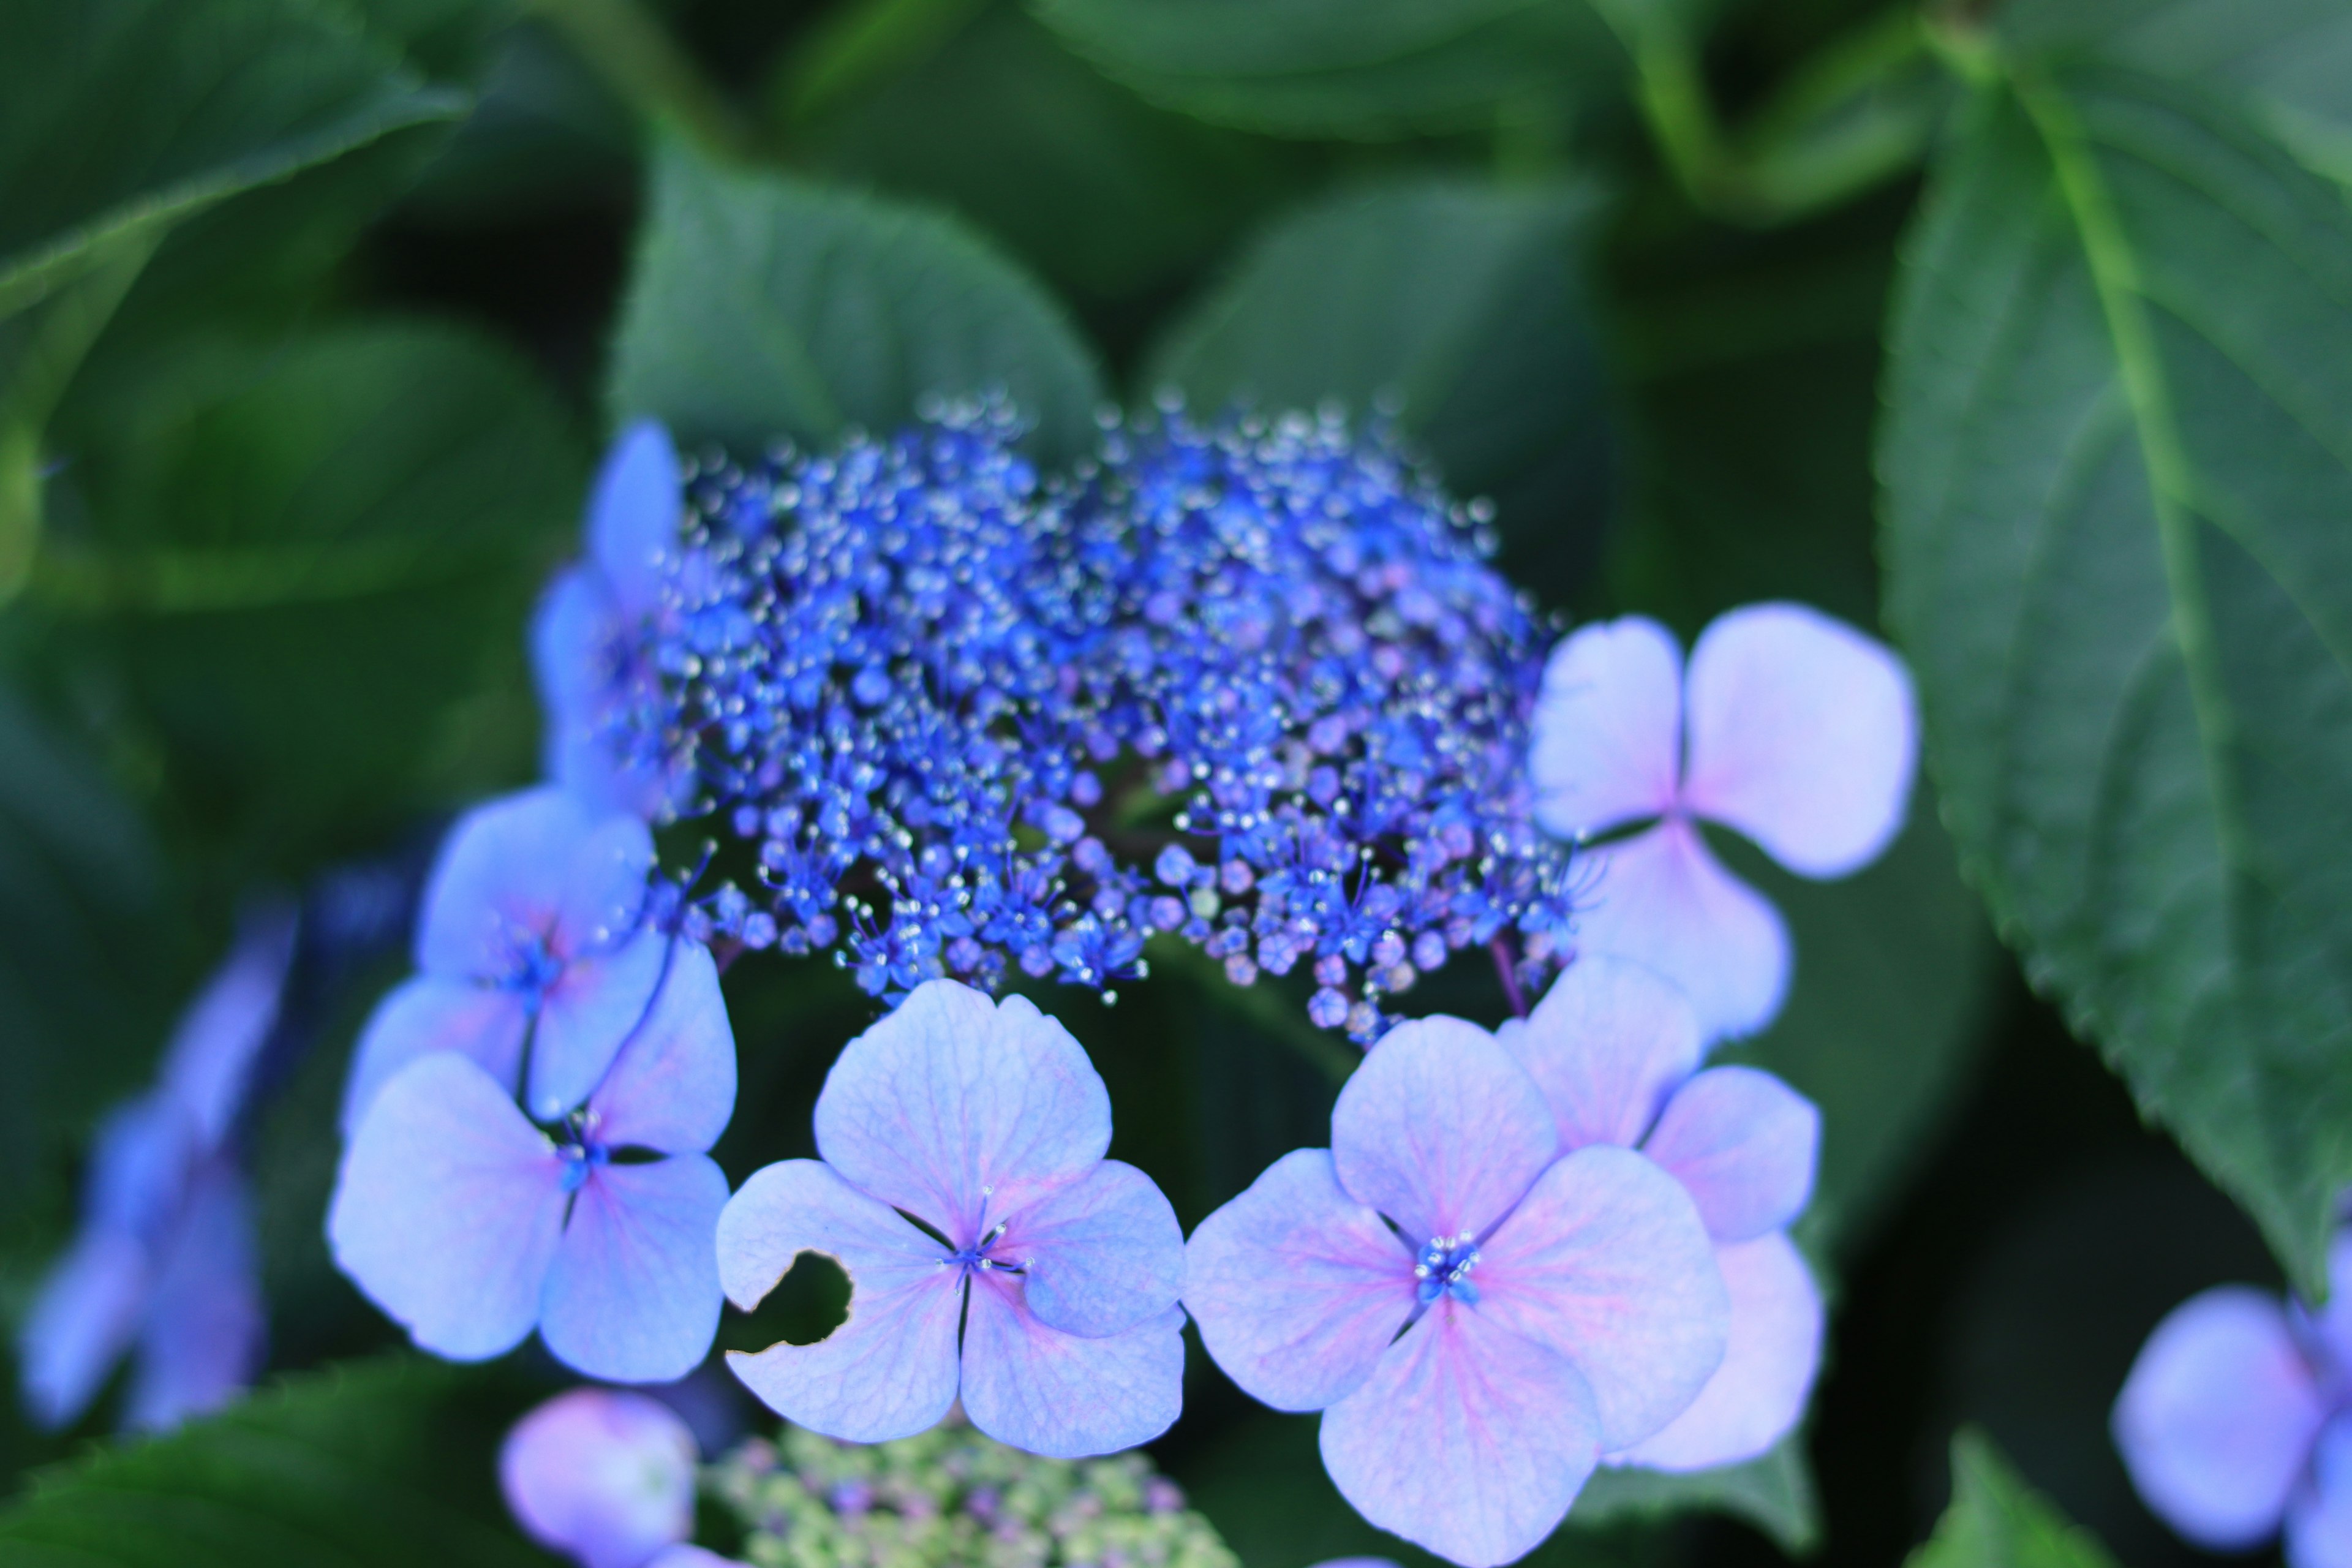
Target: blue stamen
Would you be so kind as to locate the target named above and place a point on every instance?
(1443, 1269)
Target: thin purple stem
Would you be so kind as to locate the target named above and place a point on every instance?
(1507, 968)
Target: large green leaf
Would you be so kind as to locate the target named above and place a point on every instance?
(389, 1463)
(1343, 67)
(2118, 472)
(1483, 341)
(1996, 1520)
(763, 306)
(125, 116)
(1774, 1492)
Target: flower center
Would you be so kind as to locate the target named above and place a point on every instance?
(579, 1153)
(1443, 1269)
(978, 1256)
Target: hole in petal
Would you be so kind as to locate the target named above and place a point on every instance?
(807, 1304)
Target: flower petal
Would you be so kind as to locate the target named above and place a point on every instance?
(211, 1055)
(1440, 1129)
(1607, 1263)
(1466, 1439)
(633, 514)
(1606, 744)
(140, 1163)
(889, 1370)
(586, 1016)
(1606, 1045)
(1758, 1395)
(425, 1014)
(1803, 735)
(81, 1320)
(1064, 1396)
(1744, 1145)
(954, 1104)
(1099, 1255)
(2319, 1520)
(1296, 1287)
(2217, 1417)
(535, 866)
(672, 1087)
(1661, 899)
(569, 630)
(447, 1209)
(202, 1342)
(605, 1477)
(633, 1296)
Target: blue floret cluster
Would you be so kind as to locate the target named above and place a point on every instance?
(1250, 683)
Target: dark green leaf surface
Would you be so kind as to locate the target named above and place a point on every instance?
(763, 306)
(2118, 467)
(1996, 1520)
(384, 1464)
(1365, 69)
(1773, 1492)
(125, 116)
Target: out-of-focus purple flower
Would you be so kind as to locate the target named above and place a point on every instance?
(1793, 728)
(531, 933)
(985, 1122)
(2236, 1420)
(596, 637)
(471, 1223)
(164, 1259)
(686, 1554)
(1479, 1317)
(1616, 1051)
(607, 1479)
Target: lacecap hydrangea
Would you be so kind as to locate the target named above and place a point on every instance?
(1252, 684)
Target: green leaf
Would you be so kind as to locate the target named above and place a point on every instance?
(2118, 462)
(126, 116)
(2287, 63)
(763, 307)
(390, 1462)
(1482, 344)
(307, 560)
(1364, 69)
(1996, 1520)
(1774, 1492)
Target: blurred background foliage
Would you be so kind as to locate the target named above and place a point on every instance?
(314, 312)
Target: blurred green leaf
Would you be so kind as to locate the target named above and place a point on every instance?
(390, 1462)
(2118, 460)
(980, 109)
(763, 307)
(126, 116)
(1365, 69)
(1482, 344)
(306, 559)
(1996, 1520)
(1774, 1492)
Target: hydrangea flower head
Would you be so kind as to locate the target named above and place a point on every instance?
(1790, 727)
(951, 1498)
(599, 629)
(164, 1258)
(1040, 1283)
(1616, 1051)
(605, 1477)
(531, 934)
(2236, 1420)
(472, 1219)
(1479, 1317)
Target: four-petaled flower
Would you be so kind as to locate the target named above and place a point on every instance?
(607, 1479)
(531, 933)
(470, 1225)
(1790, 727)
(964, 1186)
(1616, 1051)
(1479, 1317)
(2237, 1419)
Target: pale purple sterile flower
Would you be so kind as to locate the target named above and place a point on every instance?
(1790, 727)
(594, 639)
(605, 1477)
(470, 1223)
(1479, 1317)
(164, 1259)
(983, 1123)
(1616, 1051)
(2236, 1420)
(531, 933)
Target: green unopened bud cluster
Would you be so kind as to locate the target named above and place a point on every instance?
(951, 1498)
